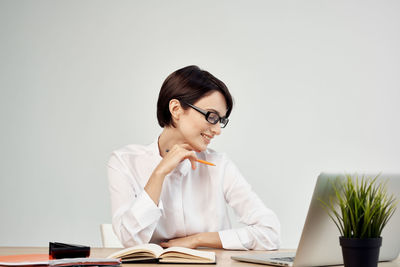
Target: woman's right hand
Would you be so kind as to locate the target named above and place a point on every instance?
(174, 156)
(171, 160)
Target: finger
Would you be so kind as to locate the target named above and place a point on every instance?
(192, 157)
(193, 163)
(179, 147)
(164, 244)
(188, 147)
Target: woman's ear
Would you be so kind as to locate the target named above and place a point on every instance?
(175, 109)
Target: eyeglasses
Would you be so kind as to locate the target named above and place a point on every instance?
(211, 116)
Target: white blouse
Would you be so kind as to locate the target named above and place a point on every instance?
(191, 201)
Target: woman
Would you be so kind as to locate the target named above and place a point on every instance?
(161, 194)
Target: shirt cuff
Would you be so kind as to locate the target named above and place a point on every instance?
(230, 240)
(145, 210)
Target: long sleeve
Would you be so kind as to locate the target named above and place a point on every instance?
(134, 214)
(194, 201)
(262, 230)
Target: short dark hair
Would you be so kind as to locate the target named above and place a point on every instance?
(188, 85)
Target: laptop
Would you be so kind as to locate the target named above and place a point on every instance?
(319, 241)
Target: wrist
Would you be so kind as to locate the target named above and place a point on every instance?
(198, 240)
(159, 172)
(209, 239)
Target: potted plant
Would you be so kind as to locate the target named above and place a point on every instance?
(360, 209)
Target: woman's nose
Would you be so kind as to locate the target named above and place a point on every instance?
(216, 129)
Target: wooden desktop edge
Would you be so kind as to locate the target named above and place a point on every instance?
(223, 256)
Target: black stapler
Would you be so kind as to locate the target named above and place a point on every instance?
(60, 250)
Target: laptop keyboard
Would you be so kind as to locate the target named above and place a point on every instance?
(288, 259)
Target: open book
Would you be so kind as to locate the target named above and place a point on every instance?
(155, 253)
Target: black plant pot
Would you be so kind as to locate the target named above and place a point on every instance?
(360, 252)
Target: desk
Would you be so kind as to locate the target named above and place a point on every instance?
(223, 256)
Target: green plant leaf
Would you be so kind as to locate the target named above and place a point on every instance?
(360, 208)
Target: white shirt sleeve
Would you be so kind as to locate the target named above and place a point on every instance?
(262, 230)
(134, 213)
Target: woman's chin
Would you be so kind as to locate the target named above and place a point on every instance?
(198, 145)
(200, 148)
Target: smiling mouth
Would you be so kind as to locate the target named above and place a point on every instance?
(208, 138)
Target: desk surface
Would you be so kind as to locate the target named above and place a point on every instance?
(223, 256)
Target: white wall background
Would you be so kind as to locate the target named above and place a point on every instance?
(316, 86)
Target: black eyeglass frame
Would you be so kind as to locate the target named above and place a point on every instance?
(222, 120)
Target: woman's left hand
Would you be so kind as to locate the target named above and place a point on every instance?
(210, 239)
(190, 241)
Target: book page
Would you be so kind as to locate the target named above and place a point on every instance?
(84, 262)
(187, 253)
(147, 250)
